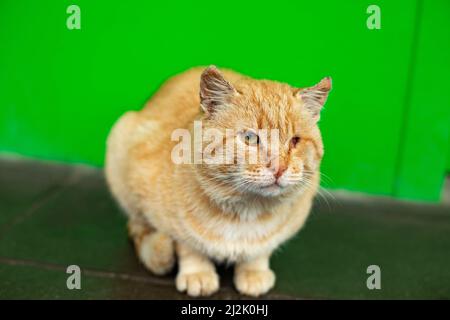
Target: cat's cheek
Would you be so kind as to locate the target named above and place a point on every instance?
(314, 164)
(285, 179)
(309, 161)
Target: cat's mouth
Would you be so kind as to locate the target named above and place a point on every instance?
(273, 185)
(271, 190)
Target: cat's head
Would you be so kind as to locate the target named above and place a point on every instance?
(272, 120)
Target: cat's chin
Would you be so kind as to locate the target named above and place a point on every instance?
(272, 190)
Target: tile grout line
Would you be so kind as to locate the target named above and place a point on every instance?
(40, 201)
(115, 275)
(87, 271)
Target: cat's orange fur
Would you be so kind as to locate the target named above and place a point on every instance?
(192, 210)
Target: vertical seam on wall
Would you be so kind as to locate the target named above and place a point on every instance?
(407, 98)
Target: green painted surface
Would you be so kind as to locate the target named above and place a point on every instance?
(448, 161)
(448, 156)
(426, 133)
(63, 89)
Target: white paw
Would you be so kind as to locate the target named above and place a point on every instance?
(203, 283)
(254, 282)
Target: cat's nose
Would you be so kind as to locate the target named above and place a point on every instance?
(281, 169)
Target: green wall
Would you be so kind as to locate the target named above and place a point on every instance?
(61, 90)
(448, 160)
(448, 156)
(425, 135)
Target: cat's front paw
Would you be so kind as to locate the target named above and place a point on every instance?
(202, 283)
(254, 282)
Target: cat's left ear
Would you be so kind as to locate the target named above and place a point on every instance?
(315, 97)
(215, 91)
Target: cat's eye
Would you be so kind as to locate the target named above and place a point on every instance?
(251, 138)
(294, 141)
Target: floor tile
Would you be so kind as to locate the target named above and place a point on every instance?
(25, 282)
(329, 258)
(81, 225)
(55, 216)
(25, 183)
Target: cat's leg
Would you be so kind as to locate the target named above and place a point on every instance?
(196, 273)
(254, 277)
(154, 249)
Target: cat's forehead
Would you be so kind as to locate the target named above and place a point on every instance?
(263, 91)
(269, 105)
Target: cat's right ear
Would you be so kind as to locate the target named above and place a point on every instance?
(215, 91)
(315, 97)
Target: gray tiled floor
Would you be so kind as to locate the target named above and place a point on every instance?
(54, 215)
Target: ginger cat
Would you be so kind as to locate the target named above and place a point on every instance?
(237, 212)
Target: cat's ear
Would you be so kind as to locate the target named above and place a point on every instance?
(315, 97)
(215, 91)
